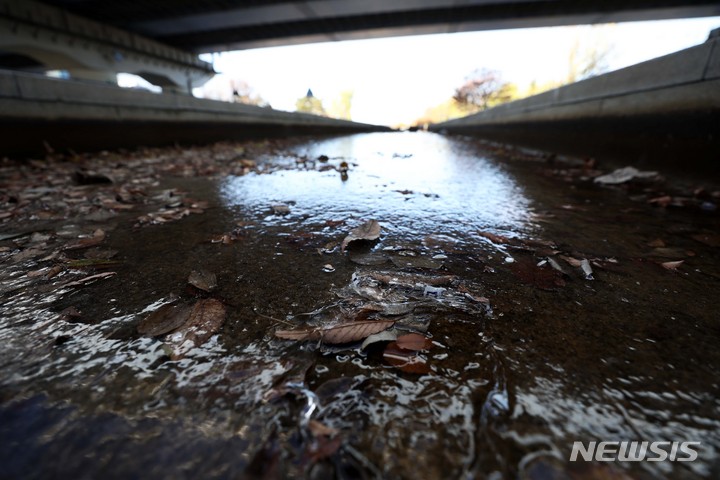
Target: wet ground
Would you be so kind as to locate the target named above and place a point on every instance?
(547, 308)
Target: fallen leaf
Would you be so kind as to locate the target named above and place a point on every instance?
(97, 238)
(37, 273)
(623, 175)
(342, 333)
(407, 361)
(354, 331)
(206, 318)
(203, 280)
(369, 230)
(414, 341)
(672, 265)
(164, 320)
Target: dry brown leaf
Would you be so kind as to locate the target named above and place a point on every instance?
(97, 238)
(414, 341)
(343, 333)
(206, 318)
(164, 320)
(369, 230)
(672, 265)
(354, 331)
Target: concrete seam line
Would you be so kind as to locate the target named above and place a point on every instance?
(713, 47)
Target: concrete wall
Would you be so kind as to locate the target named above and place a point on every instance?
(686, 81)
(666, 110)
(82, 115)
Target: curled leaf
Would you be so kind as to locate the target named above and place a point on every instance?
(369, 230)
(672, 265)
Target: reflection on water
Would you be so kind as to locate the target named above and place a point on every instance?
(554, 358)
(416, 184)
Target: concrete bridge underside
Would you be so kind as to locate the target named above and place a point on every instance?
(214, 25)
(672, 102)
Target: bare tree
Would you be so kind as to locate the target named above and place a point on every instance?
(482, 89)
(590, 56)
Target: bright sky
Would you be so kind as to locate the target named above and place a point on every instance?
(396, 79)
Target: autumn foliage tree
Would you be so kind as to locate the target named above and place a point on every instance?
(310, 104)
(484, 88)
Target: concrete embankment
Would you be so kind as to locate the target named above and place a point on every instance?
(663, 110)
(37, 110)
